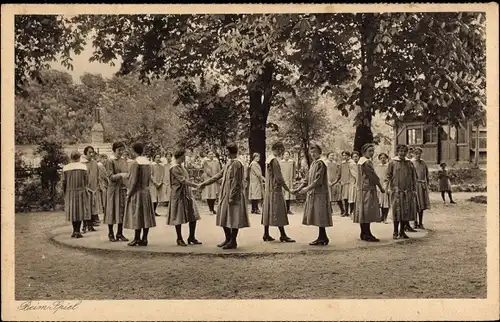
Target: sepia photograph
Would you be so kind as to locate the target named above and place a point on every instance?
(182, 157)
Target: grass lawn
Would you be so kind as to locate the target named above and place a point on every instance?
(449, 263)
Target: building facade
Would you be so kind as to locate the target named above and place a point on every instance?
(444, 143)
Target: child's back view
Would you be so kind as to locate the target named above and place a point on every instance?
(75, 182)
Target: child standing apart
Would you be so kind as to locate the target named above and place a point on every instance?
(75, 183)
(444, 183)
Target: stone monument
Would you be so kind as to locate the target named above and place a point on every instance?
(97, 132)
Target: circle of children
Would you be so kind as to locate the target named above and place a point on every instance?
(127, 192)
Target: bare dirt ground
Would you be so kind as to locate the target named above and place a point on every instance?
(449, 263)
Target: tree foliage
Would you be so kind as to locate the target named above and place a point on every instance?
(54, 109)
(41, 39)
(426, 64)
(57, 109)
(430, 65)
(304, 122)
(211, 115)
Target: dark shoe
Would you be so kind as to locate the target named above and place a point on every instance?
(286, 239)
(395, 235)
(289, 212)
(142, 243)
(403, 235)
(372, 239)
(230, 245)
(268, 238)
(214, 212)
(362, 236)
(91, 229)
(180, 242)
(224, 243)
(194, 241)
(421, 226)
(318, 242)
(79, 235)
(73, 235)
(409, 229)
(134, 243)
(111, 238)
(416, 225)
(156, 215)
(121, 238)
(257, 212)
(452, 202)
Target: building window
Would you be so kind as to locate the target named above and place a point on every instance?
(482, 139)
(461, 135)
(430, 135)
(413, 136)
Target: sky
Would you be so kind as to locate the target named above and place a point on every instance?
(82, 65)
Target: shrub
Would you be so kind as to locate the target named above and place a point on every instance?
(462, 180)
(478, 199)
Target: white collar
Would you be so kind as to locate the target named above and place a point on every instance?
(75, 166)
(363, 160)
(270, 158)
(142, 160)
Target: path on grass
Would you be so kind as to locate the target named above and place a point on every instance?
(449, 263)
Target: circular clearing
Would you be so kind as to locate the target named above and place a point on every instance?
(344, 235)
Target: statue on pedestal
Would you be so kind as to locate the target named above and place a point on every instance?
(97, 132)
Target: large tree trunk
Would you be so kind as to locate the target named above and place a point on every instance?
(363, 135)
(367, 29)
(260, 96)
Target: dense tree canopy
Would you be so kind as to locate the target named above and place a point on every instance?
(62, 111)
(428, 64)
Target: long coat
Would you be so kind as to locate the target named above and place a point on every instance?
(232, 209)
(333, 175)
(422, 186)
(345, 180)
(75, 183)
(353, 171)
(255, 182)
(402, 180)
(274, 212)
(166, 179)
(383, 198)
(210, 168)
(182, 207)
(317, 210)
(93, 184)
(367, 205)
(139, 211)
(103, 188)
(157, 188)
(117, 191)
(288, 169)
